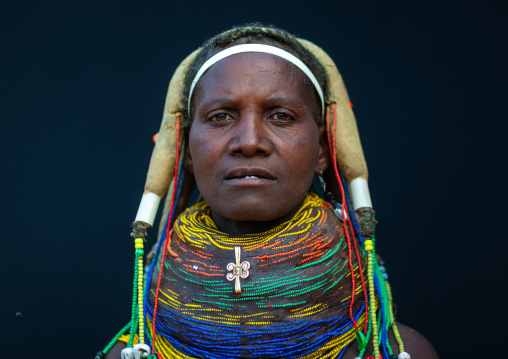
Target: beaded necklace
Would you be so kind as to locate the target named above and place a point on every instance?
(269, 306)
(341, 337)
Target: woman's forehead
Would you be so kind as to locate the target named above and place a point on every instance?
(252, 64)
(257, 73)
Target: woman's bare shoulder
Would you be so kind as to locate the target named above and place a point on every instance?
(116, 351)
(416, 344)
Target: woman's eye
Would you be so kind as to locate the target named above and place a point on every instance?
(280, 116)
(220, 117)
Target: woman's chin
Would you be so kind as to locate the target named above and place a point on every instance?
(254, 210)
(250, 215)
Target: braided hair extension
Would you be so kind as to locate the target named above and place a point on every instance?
(258, 34)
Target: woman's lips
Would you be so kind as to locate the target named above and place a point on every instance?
(249, 173)
(249, 181)
(249, 177)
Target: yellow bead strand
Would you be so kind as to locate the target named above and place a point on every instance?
(372, 295)
(393, 324)
(368, 245)
(138, 243)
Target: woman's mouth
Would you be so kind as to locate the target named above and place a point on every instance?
(249, 176)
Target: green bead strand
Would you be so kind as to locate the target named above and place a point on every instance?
(367, 339)
(361, 340)
(133, 323)
(386, 305)
(134, 312)
(115, 338)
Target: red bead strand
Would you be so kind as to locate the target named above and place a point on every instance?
(347, 223)
(168, 235)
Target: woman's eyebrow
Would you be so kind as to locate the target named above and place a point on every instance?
(284, 101)
(270, 101)
(224, 101)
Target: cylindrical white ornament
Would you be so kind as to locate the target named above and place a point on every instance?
(148, 208)
(360, 193)
(404, 355)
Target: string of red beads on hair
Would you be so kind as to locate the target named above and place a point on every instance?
(171, 208)
(351, 268)
(361, 276)
(348, 224)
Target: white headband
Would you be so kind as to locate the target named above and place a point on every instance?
(267, 49)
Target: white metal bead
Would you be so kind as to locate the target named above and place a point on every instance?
(127, 353)
(141, 351)
(338, 211)
(404, 355)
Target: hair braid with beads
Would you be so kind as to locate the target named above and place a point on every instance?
(255, 33)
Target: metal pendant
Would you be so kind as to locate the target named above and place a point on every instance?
(240, 270)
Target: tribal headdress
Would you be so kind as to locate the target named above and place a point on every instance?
(347, 192)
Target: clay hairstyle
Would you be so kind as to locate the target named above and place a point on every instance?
(347, 194)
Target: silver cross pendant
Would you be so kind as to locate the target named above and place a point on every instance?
(240, 270)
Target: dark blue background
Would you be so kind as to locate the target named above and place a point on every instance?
(82, 91)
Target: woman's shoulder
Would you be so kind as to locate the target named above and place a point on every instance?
(415, 344)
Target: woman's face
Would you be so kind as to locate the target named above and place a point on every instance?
(254, 145)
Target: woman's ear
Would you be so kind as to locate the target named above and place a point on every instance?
(323, 160)
(187, 156)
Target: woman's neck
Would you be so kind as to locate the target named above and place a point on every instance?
(239, 228)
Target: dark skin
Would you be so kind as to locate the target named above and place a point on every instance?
(254, 147)
(253, 139)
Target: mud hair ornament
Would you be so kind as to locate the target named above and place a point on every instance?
(347, 179)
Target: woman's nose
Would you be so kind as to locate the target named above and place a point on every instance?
(250, 137)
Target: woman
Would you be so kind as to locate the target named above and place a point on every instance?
(261, 267)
